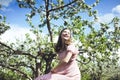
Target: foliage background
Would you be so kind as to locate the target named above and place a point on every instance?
(98, 58)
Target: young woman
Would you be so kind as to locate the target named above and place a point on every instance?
(67, 68)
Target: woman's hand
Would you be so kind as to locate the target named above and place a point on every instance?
(53, 71)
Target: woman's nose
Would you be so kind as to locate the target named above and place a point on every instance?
(66, 33)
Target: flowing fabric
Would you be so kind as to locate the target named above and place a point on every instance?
(69, 71)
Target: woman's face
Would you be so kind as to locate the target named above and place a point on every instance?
(65, 35)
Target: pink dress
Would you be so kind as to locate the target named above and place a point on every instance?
(69, 71)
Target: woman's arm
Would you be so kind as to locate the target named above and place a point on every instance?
(63, 61)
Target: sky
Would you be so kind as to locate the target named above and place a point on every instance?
(107, 9)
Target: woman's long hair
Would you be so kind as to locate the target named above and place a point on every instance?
(59, 44)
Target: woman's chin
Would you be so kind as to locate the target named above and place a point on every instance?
(66, 39)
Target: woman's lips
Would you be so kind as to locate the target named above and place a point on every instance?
(66, 36)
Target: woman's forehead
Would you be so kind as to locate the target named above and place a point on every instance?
(66, 30)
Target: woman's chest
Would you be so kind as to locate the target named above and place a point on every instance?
(62, 55)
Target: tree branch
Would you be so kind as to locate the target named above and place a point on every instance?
(18, 52)
(6, 46)
(22, 64)
(32, 7)
(17, 70)
(47, 19)
(63, 6)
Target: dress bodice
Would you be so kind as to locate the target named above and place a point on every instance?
(70, 48)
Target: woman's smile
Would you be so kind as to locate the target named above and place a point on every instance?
(66, 34)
